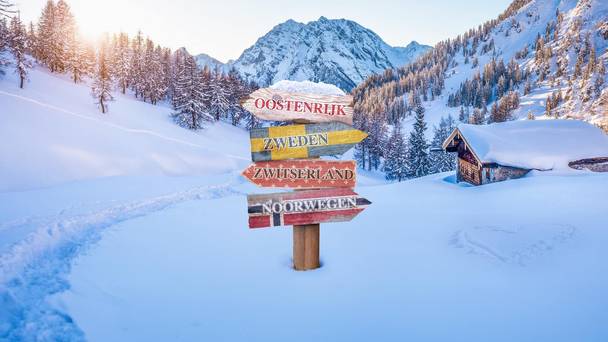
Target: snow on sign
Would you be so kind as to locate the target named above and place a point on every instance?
(302, 174)
(303, 141)
(304, 207)
(278, 105)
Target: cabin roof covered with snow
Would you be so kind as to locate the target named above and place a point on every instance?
(533, 144)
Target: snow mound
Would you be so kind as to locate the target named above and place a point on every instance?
(536, 144)
(307, 87)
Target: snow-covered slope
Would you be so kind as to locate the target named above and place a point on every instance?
(146, 255)
(53, 133)
(339, 52)
(565, 26)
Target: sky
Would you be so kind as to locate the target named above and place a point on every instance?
(223, 29)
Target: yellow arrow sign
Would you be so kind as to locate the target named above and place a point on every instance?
(303, 141)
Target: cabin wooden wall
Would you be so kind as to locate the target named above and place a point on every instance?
(468, 172)
(498, 173)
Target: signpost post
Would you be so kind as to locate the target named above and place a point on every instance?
(323, 189)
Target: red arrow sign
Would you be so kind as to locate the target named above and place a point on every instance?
(302, 174)
(304, 207)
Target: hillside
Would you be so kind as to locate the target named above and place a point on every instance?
(57, 135)
(339, 52)
(549, 56)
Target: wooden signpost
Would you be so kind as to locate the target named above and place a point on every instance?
(323, 129)
(277, 105)
(302, 174)
(303, 141)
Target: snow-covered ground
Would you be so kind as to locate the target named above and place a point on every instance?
(150, 253)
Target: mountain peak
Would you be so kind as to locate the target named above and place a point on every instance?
(334, 51)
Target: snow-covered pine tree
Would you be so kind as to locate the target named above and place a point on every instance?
(250, 120)
(63, 35)
(395, 162)
(4, 43)
(167, 72)
(219, 96)
(122, 61)
(101, 89)
(153, 87)
(190, 111)
(78, 65)
(31, 39)
(136, 79)
(442, 161)
(46, 35)
(6, 8)
(235, 89)
(418, 163)
(18, 46)
(361, 122)
(376, 140)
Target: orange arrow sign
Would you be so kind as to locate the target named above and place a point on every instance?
(302, 174)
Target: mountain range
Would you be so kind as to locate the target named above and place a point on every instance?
(334, 51)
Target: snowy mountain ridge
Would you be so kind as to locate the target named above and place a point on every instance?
(334, 51)
(551, 54)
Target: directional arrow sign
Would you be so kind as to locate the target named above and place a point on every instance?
(278, 105)
(303, 141)
(304, 207)
(302, 174)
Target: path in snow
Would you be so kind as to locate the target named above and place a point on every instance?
(35, 267)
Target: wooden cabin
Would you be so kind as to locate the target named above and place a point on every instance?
(509, 150)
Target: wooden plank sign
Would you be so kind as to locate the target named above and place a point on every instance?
(278, 105)
(303, 141)
(304, 207)
(302, 174)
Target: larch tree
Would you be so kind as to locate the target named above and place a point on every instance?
(122, 61)
(18, 45)
(101, 89)
(45, 42)
(4, 43)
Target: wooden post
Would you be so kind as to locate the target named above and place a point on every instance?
(306, 247)
(306, 241)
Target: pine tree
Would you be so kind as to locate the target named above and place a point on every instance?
(77, 63)
(418, 162)
(6, 8)
(101, 89)
(395, 164)
(190, 111)
(4, 44)
(122, 61)
(219, 96)
(18, 44)
(136, 72)
(442, 161)
(64, 32)
(376, 141)
(46, 35)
